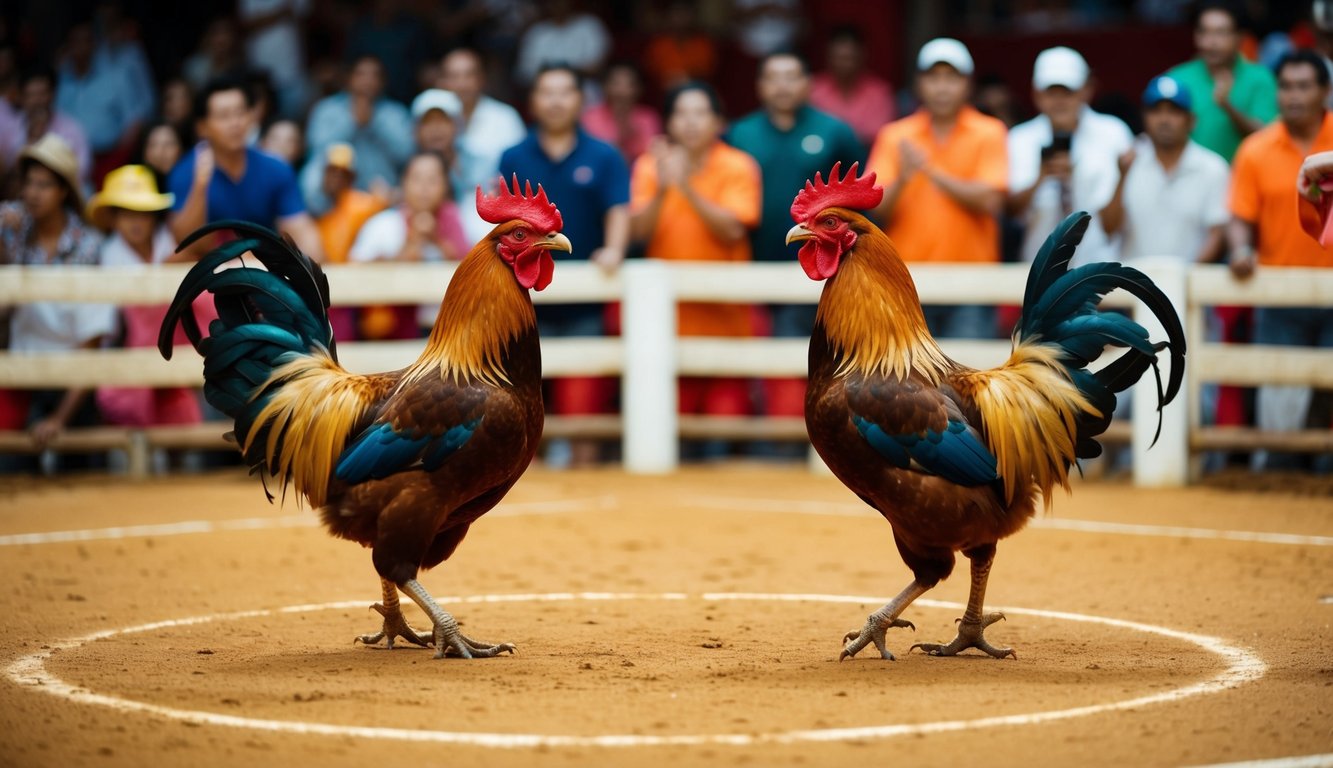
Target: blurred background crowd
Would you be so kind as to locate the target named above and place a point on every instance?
(678, 129)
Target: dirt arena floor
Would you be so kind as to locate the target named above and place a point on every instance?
(687, 620)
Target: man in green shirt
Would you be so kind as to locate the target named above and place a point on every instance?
(1232, 97)
(791, 142)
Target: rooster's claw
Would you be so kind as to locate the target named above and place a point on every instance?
(873, 632)
(969, 636)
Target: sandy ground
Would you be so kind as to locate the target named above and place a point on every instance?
(682, 652)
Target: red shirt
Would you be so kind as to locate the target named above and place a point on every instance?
(866, 108)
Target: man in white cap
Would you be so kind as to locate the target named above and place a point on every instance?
(944, 170)
(1066, 158)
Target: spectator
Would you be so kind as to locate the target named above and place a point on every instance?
(590, 180)
(275, 45)
(46, 228)
(1232, 97)
(693, 198)
(102, 98)
(995, 99)
(378, 128)
(160, 150)
(680, 51)
(621, 120)
(766, 26)
(1265, 230)
(393, 37)
(219, 55)
(338, 228)
(425, 227)
(223, 178)
(119, 47)
(1171, 198)
(791, 141)
(849, 91)
(178, 108)
(564, 36)
(283, 140)
(38, 116)
(1066, 158)
(486, 128)
(437, 113)
(944, 170)
(134, 212)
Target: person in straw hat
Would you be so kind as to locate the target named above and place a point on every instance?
(132, 209)
(46, 229)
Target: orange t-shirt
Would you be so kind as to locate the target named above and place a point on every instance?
(1262, 174)
(926, 224)
(338, 227)
(671, 59)
(728, 178)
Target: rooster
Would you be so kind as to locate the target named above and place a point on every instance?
(400, 462)
(955, 458)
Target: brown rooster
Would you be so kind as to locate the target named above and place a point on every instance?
(400, 462)
(955, 458)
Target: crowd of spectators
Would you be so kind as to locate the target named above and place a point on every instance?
(376, 160)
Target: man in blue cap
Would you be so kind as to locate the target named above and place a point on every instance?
(1171, 198)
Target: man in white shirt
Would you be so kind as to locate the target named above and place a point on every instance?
(487, 127)
(1064, 159)
(1172, 195)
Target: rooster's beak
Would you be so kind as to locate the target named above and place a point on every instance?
(798, 233)
(556, 241)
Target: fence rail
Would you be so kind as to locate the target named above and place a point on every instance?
(649, 357)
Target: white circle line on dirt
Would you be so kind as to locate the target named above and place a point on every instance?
(839, 509)
(189, 527)
(1303, 761)
(1243, 666)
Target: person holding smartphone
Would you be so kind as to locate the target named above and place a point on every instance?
(1065, 159)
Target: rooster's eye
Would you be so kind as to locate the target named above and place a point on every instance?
(830, 222)
(520, 235)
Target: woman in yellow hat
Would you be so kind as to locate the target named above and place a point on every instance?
(132, 209)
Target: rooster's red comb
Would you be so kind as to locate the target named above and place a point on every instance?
(845, 192)
(539, 212)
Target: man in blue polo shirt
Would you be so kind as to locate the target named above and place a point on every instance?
(589, 181)
(791, 141)
(224, 178)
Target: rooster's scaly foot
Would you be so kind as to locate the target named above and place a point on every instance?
(873, 632)
(969, 636)
(450, 642)
(395, 626)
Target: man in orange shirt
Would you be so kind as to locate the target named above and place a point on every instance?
(693, 198)
(339, 226)
(1265, 231)
(944, 170)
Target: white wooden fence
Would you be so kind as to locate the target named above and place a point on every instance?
(649, 357)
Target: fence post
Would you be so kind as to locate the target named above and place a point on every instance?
(1167, 464)
(648, 389)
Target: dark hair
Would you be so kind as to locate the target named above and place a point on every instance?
(27, 163)
(1229, 7)
(1304, 56)
(673, 95)
(627, 64)
(38, 71)
(449, 192)
(142, 146)
(559, 66)
(222, 84)
(784, 54)
(847, 32)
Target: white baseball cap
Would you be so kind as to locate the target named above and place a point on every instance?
(437, 98)
(1059, 66)
(944, 50)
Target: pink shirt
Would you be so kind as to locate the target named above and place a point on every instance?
(643, 126)
(866, 109)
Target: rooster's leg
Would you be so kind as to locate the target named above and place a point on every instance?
(881, 621)
(449, 641)
(973, 622)
(394, 624)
